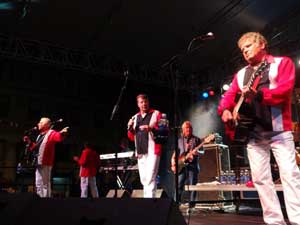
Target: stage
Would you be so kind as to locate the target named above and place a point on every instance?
(204, 216)
(28, 208)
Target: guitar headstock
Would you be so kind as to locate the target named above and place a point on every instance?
(258, 72)
(262, 67)
(209, 138)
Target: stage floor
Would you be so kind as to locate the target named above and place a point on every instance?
(227, 216)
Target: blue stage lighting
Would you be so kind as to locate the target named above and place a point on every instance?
(205, 95)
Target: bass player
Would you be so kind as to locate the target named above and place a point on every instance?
(188, 161)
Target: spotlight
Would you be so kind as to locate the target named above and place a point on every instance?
(205, 94)
(211, 93)
(226, 87)
(6, 6)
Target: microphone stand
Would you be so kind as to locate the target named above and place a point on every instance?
(171, 63)
(116, 107)
(176, 129)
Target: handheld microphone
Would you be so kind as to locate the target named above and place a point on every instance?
(129, 127)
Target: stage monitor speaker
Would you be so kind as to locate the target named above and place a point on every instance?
(90, 211)
(120, 193)
(13, 206)
(214, 160)
(139, 193)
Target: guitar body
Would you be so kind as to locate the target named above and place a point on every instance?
(238, 129)
(185, 158)
(240, 132)
(181, 164)
(230, 131)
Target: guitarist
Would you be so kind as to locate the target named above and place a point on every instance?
(270, 99)
(186, 142)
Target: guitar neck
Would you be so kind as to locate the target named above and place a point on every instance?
(198, 147)
(252, 83)
(238, 104)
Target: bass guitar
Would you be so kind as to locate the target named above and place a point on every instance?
(241, 126)
(187, 157)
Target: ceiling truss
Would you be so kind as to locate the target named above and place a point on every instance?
(284, 37)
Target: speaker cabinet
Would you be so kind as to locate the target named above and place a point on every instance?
(89, 211)
(214, 160)
(13, 206)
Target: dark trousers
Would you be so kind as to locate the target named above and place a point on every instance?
(188, 176)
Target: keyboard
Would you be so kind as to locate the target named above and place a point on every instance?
(120, 155)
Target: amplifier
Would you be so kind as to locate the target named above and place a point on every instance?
(214, 160)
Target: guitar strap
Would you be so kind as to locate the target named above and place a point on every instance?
(248, 73)
(263, 81)
(192, 144)
(187, 140)
(183, 149)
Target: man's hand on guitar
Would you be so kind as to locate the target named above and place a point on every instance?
(226, 116)
(249, 93)
(229, 118)
(235, 117)
(190, 157)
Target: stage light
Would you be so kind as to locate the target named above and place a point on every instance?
(225, 87)
(205, 94)
(19, 8)
(6, 6)
(211, 93)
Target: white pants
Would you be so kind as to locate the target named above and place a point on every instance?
(283, 149)
(148, 167)
(43, 181)
(85, 183)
